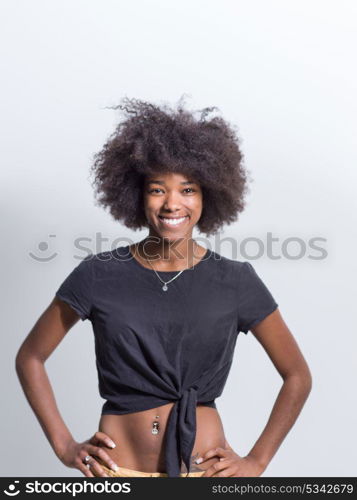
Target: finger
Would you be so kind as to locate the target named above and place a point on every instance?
(84, 469)
(229, 472)
(97, 451)
(97, 469)
(94, 468)
(101, 438)
(215, 468)
(214, 452)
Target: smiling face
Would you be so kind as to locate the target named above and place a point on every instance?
(172, 204)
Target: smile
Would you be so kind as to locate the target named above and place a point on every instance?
(177, 221)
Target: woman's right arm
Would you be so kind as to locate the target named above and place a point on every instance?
(42, 340)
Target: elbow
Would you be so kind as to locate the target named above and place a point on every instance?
(306, 383)
(301, 379)
(19, 362)
(23, 360)
(306, 378)
(21, 355)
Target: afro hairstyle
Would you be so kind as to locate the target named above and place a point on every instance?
(156, 138)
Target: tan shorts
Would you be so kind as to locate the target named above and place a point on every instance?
(124, 472)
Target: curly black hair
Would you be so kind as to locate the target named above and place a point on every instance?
(154, 138)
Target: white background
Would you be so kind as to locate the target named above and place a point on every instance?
(284, 74)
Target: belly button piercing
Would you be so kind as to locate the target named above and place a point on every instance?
(155, 426)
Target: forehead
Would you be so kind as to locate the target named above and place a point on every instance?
(169, 178)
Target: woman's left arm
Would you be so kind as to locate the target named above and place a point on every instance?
(283, 350)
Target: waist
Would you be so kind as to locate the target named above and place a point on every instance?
(139, 448)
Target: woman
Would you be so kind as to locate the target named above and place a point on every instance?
(166, 311)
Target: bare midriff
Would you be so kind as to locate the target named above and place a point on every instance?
(137, 448)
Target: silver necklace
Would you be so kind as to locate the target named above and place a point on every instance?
(165, 287)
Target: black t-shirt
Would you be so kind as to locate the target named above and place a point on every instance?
(153, 346)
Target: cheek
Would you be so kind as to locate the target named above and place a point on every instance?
(196, 208)
(195, 203)
(151, 205)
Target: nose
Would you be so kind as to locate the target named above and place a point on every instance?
(172, 202)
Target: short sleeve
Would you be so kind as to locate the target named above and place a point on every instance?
(76, 289)
(255, 301)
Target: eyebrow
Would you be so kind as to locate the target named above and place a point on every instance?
(163, 182)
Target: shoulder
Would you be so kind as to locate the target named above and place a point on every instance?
(225, 263)
(106, 262)
(240, 273)
(226, 270)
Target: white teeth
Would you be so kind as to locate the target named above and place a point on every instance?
(174, 222)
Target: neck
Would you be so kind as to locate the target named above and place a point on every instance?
(173, 252)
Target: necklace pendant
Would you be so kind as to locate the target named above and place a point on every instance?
(155, 428)
(165, 287)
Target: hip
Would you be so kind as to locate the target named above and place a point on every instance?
(138, 448)
(126, 472)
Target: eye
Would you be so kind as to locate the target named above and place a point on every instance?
(158, 189)
(155, 189)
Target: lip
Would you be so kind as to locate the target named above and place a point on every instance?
(176, 216)
(167, 224)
